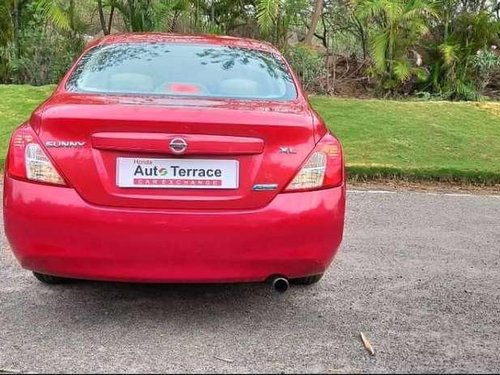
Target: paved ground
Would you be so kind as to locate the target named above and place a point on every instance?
(418, 274)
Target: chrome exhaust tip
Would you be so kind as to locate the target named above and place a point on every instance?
(280, 284)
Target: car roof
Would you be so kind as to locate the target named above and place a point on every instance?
(229, 41)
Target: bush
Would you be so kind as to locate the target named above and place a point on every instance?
(40, 59)
(39, 55)
(486, 63)
(309, 65)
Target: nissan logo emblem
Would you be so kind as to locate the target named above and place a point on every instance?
(178, 145)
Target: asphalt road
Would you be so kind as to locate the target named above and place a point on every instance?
(418, 274)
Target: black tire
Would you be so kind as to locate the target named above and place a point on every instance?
(48, 279)
(309, 280)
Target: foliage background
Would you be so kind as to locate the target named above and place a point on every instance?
(444, 49)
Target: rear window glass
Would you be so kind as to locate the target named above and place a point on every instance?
(183, 70)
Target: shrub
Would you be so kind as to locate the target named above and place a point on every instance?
(309, 65)
(38, 58)
(486, 63)
(39, 54)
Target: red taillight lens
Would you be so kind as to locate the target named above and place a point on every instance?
(28, 160)
(323, 169)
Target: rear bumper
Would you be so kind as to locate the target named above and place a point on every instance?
(52, 230)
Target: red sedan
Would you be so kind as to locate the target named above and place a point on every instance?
(168, 158)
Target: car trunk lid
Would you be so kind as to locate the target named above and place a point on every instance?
(98, 142)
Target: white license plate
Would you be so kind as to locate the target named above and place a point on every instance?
(177, 173)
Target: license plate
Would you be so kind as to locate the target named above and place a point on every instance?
(177, 173)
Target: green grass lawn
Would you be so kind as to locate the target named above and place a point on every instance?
(417, 140)
(16, 104)
(389, 139)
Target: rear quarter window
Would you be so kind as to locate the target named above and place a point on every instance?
(183, 70)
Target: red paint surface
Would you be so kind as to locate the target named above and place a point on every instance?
(93, 229)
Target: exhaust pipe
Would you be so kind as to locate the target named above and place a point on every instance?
(280, 284)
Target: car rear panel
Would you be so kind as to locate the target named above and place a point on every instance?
(251, 133)
(94, 229)
(296, 235)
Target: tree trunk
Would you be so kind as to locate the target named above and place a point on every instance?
(16, 19)
(101, 17)
(318, 10)
(72, 23)
(111, 14)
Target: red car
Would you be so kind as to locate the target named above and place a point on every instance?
(169, 158)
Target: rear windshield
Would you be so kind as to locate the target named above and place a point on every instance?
(183, 70)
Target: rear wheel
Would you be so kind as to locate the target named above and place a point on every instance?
(48, 279)
(309, 280)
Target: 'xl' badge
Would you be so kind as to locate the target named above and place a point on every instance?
(287, 150)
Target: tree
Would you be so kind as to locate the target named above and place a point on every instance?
(460, 54)
(105, 26)
(232, 16)
(137, 14)
(6, 37)
(318, 10)
(398, 28)
(162, 15)
(6, 23)
(60, 13)
(275, 17)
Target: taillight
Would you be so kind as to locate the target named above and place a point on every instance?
(28, 160)
(323, 169)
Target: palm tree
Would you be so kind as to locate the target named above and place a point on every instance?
(458, 51)
(268, 12)
(149, 15)
(399, 26)
(61, 13)
(137, 14)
